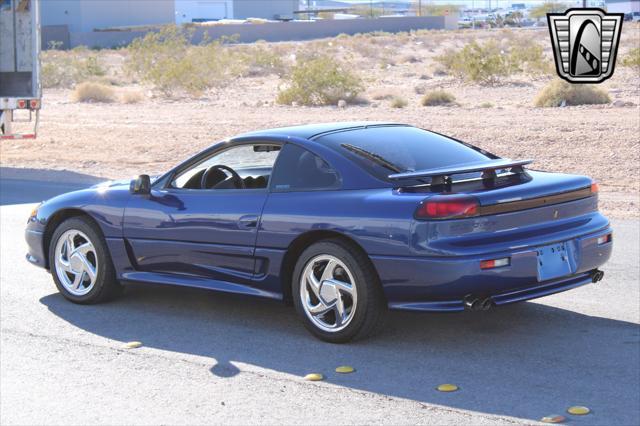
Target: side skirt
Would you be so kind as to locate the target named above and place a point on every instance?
(197, 282)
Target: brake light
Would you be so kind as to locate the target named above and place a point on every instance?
(33, 103)
(594, 188)
(604, 239)
(447, 207)
(22, 103)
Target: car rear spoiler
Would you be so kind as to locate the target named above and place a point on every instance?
(440, 175)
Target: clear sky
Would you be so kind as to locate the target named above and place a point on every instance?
(476, 3)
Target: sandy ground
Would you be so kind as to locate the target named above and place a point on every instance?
(116, 140)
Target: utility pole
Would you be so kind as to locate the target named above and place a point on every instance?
(584, 4)
(419, 7)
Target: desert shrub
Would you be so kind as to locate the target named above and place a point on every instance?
(527, 56)
(438, 97)
(489, 61)
(132, 97)
(64, 69)
(93, 92)
(559, 92)
(632, 59)
(320, 81)
(399, 102)
(167, 60)
(476, 62)
(486, 105)
(260, 60)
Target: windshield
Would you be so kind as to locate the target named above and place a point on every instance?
(386, 149)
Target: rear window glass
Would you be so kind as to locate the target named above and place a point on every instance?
(391, 149)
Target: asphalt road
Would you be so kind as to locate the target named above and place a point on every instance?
(214, 358)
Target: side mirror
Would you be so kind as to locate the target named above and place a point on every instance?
(141, 185)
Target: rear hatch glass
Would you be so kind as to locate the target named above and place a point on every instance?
(383, 150)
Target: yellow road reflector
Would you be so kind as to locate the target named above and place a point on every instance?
(345, 369)
(314, 377)
(132, 345)
(554, 418)
(447, 388)
(578, 410)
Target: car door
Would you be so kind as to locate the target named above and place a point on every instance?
(200, 232)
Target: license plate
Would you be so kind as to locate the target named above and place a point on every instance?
(555, 261)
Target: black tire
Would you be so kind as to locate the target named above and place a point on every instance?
(371, 304)
(106, 286)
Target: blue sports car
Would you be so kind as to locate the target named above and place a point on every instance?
(344, 220)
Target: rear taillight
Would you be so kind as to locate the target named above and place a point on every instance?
(594, 188)
(604, 239)
(447, 207)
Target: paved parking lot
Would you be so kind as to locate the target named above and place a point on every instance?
(211, 357)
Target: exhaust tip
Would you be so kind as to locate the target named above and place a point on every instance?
(487, 304)
(477, 303)
(597, 275)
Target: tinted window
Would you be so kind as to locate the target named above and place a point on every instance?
(383, 149)
(298, 169)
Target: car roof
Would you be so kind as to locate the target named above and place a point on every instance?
(311, 131)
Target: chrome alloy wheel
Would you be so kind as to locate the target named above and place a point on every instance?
(76, 262)
(328, 293)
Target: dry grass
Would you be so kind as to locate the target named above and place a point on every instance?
(93, 92)
(399, 102)
(132, 97)
(438, 98)
(381, 95)
(632, 59)
(560, 93)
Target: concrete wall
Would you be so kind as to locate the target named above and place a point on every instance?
(56, 33)
(243, 9)
(281, 31)
(85, 16)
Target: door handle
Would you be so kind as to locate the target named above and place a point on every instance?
(249, 221)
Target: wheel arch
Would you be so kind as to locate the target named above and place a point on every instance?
(300, 244)
(54, 221)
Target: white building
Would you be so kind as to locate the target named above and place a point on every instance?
(89, 15)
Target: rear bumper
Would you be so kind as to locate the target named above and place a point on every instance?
(519, 295)
(442, 283)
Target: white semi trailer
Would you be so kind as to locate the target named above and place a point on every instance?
(20, 87)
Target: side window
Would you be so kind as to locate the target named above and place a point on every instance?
(240, 167)
(298, 170)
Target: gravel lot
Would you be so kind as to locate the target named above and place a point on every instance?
(121, 140)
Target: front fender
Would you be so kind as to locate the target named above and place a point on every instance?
(105, 204)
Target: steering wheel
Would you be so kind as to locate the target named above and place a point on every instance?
(219, 169)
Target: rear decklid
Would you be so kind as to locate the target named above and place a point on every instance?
(499, 185)
(503, 208)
